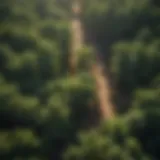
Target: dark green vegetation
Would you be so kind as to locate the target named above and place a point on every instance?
(43, 110)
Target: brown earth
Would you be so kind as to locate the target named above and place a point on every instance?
(103, 89)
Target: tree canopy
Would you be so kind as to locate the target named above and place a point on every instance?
(46, 114)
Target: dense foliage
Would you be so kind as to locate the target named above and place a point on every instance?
(43, 111)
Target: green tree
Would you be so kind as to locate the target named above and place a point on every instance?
(112, 140)
(42, 109)
(33, 40)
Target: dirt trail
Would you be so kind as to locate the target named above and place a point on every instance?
(76, 36)
(103, 92)
(102, 84)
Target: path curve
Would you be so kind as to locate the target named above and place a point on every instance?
(103, 89)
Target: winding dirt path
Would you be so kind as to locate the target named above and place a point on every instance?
(103, 89)
(77, 36)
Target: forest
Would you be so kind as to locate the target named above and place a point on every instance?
(79, 79)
